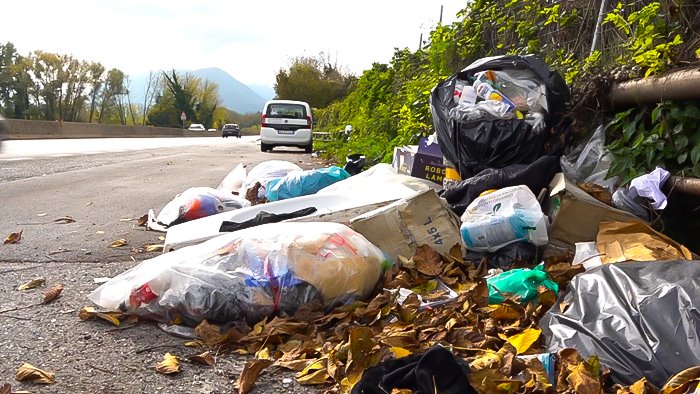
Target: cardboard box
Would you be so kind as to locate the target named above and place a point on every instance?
(399, 228)
(575, 216)
(428, 162)
(403, 158)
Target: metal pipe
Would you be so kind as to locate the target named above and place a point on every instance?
(677, 85)
(683, 185)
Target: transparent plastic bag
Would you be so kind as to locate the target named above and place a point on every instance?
(267, 170)
(589, 162)
(303, 183)
(500, 218)
(522, 87)
(253, 273)
(198, 202)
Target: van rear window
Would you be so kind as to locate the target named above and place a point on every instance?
(291, 111)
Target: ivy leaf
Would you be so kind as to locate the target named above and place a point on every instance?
(682, 157)
(680, 142)
(695, 154)
(691, 112)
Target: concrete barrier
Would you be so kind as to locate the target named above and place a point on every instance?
(18, 129)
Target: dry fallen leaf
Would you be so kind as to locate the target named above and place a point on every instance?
(249, 375)
(154, 248)
(680, 382)
(119, 243)
(88, 312)
(205, 359)
(30, 373)
(13, 238)
(65, 220)
(34, 283)
(170, 365)
(581, 381)
(522, 341)
(52, 293)
(6, 389)
(142, 220)
(428, 261)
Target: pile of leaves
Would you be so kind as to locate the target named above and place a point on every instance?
(337, 347)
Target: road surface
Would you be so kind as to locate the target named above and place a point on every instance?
(103, 193)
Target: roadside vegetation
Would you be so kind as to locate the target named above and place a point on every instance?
(388, 105)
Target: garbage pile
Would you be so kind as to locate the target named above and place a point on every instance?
(479, 261)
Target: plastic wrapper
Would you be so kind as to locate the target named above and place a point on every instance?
(535, 176)
(261, 271)
(641, 319)
(198, 202)
(589, 162)
(500, 218)
(303, 183)
(522, 87)
(474, 145)
(267, 170)
(520, 283)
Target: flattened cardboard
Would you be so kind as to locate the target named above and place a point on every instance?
(399, 228)
(575, 216)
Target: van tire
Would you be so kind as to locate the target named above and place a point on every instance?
(264, 147)
(309, 148)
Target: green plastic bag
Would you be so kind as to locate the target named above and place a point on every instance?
(521, 282)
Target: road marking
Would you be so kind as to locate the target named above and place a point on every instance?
(60, 155)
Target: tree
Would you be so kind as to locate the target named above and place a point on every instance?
(314, 80)
(95, 71)
(149, 97)
(113, 87)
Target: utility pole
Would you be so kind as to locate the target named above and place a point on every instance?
(599, 26)
(420, 42)
(441, 7)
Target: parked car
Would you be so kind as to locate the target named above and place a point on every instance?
(211, 130)
(286, 123)
(196, 127)
(231, 130)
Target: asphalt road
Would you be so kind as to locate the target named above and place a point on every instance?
(104, 193)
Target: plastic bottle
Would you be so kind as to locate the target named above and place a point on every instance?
(488, 92)
(468, 95)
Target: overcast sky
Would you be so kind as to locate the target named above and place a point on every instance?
(249, 39)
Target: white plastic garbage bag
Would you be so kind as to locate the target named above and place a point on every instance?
(195, 203)
(500, 218)
(257, 272)
(266, 171)
(234, 182)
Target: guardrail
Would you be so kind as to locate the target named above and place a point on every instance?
(322, 136)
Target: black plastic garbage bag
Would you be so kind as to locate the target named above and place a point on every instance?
(355, 163)
(642, 319)
(437, 370)
(479, 144)
(535, 176)
(505, 257)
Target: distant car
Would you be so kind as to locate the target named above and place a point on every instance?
(211, 130)
(286, 123)
(196, 127)
(231, 130)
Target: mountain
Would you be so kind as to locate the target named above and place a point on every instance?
(234, 95)
(265, 91)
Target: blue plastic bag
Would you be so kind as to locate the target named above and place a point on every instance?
(303, 183)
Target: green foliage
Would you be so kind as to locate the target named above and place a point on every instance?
(198, 99)
(666, 135)
(650, 39)
(312, 79)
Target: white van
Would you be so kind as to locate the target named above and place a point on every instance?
(286, 123)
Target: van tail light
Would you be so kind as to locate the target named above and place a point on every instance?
(262, 121)
(308, 121)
